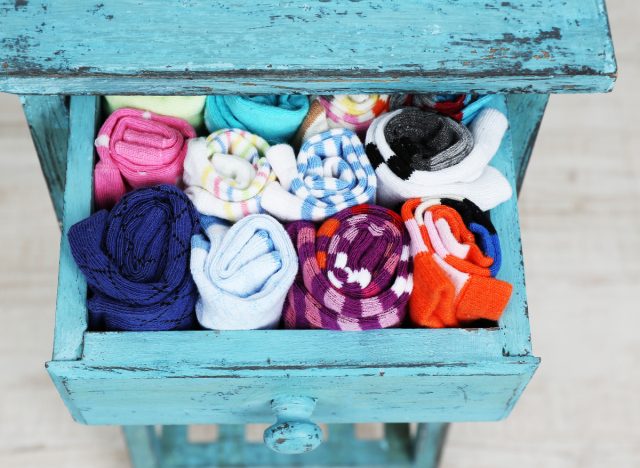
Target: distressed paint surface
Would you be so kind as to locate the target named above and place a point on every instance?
(71, 311)
(231, 377)
(293, 432)
(527, 111)
(270, 46)
(48, 119)
(429, 443)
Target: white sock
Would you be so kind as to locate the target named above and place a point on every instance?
(471, 177)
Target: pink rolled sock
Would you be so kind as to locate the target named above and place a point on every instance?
(138, 148)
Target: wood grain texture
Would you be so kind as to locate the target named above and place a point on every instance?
(526, 112)
(48, 120)
(71, 311)
(321, 46)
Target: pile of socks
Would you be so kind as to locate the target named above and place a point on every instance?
(345, 212)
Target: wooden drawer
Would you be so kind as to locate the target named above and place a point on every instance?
(185, 377)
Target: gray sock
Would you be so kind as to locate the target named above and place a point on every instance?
(428, 141)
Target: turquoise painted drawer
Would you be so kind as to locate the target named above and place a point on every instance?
(186, 377)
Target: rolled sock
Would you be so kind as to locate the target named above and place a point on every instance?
(450, 105)
(479, 223)
(138, 149)
(275, 118)
(331, 173)
(354, 112)
(399, 177)
(189, 108)
(355, 271)
(226, 173)
(242, 273)
(460, 107)
(136, 261)
(452, 274)
(430, 141)
(314, 122)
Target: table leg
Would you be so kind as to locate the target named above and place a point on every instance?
(144, 446)
(429, 444)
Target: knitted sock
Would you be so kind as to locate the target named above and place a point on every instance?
(227, 173)
(479, 223)
(189, 108)
(138, 149)
(399, 178)
(460, 107)
(354, 111)
(136, 261)
(450, 105)
(332, 172)
(430, 141)
(315, 122)
(275, 118)
(243, 273)
(355, 272)
(455, 285)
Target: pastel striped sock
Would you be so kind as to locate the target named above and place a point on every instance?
(226, 173)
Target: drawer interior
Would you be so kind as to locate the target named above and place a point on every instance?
(185, 377)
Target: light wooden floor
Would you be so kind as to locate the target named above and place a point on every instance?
(581, 232)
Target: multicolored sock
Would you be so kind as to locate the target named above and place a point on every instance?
(355, 271)
(226, 173)
(452, 274)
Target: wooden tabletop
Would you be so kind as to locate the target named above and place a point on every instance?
(316, 46)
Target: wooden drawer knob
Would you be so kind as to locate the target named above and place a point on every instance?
(293, 431)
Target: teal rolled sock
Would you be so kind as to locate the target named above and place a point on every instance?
(274, 118)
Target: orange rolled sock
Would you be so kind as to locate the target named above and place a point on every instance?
(452, 277)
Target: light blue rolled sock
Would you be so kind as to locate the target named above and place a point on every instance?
(242, 272)
(274, 118)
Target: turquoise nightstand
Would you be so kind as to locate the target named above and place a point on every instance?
(61, 56)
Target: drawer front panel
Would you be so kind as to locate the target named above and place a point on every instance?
(477, 392)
